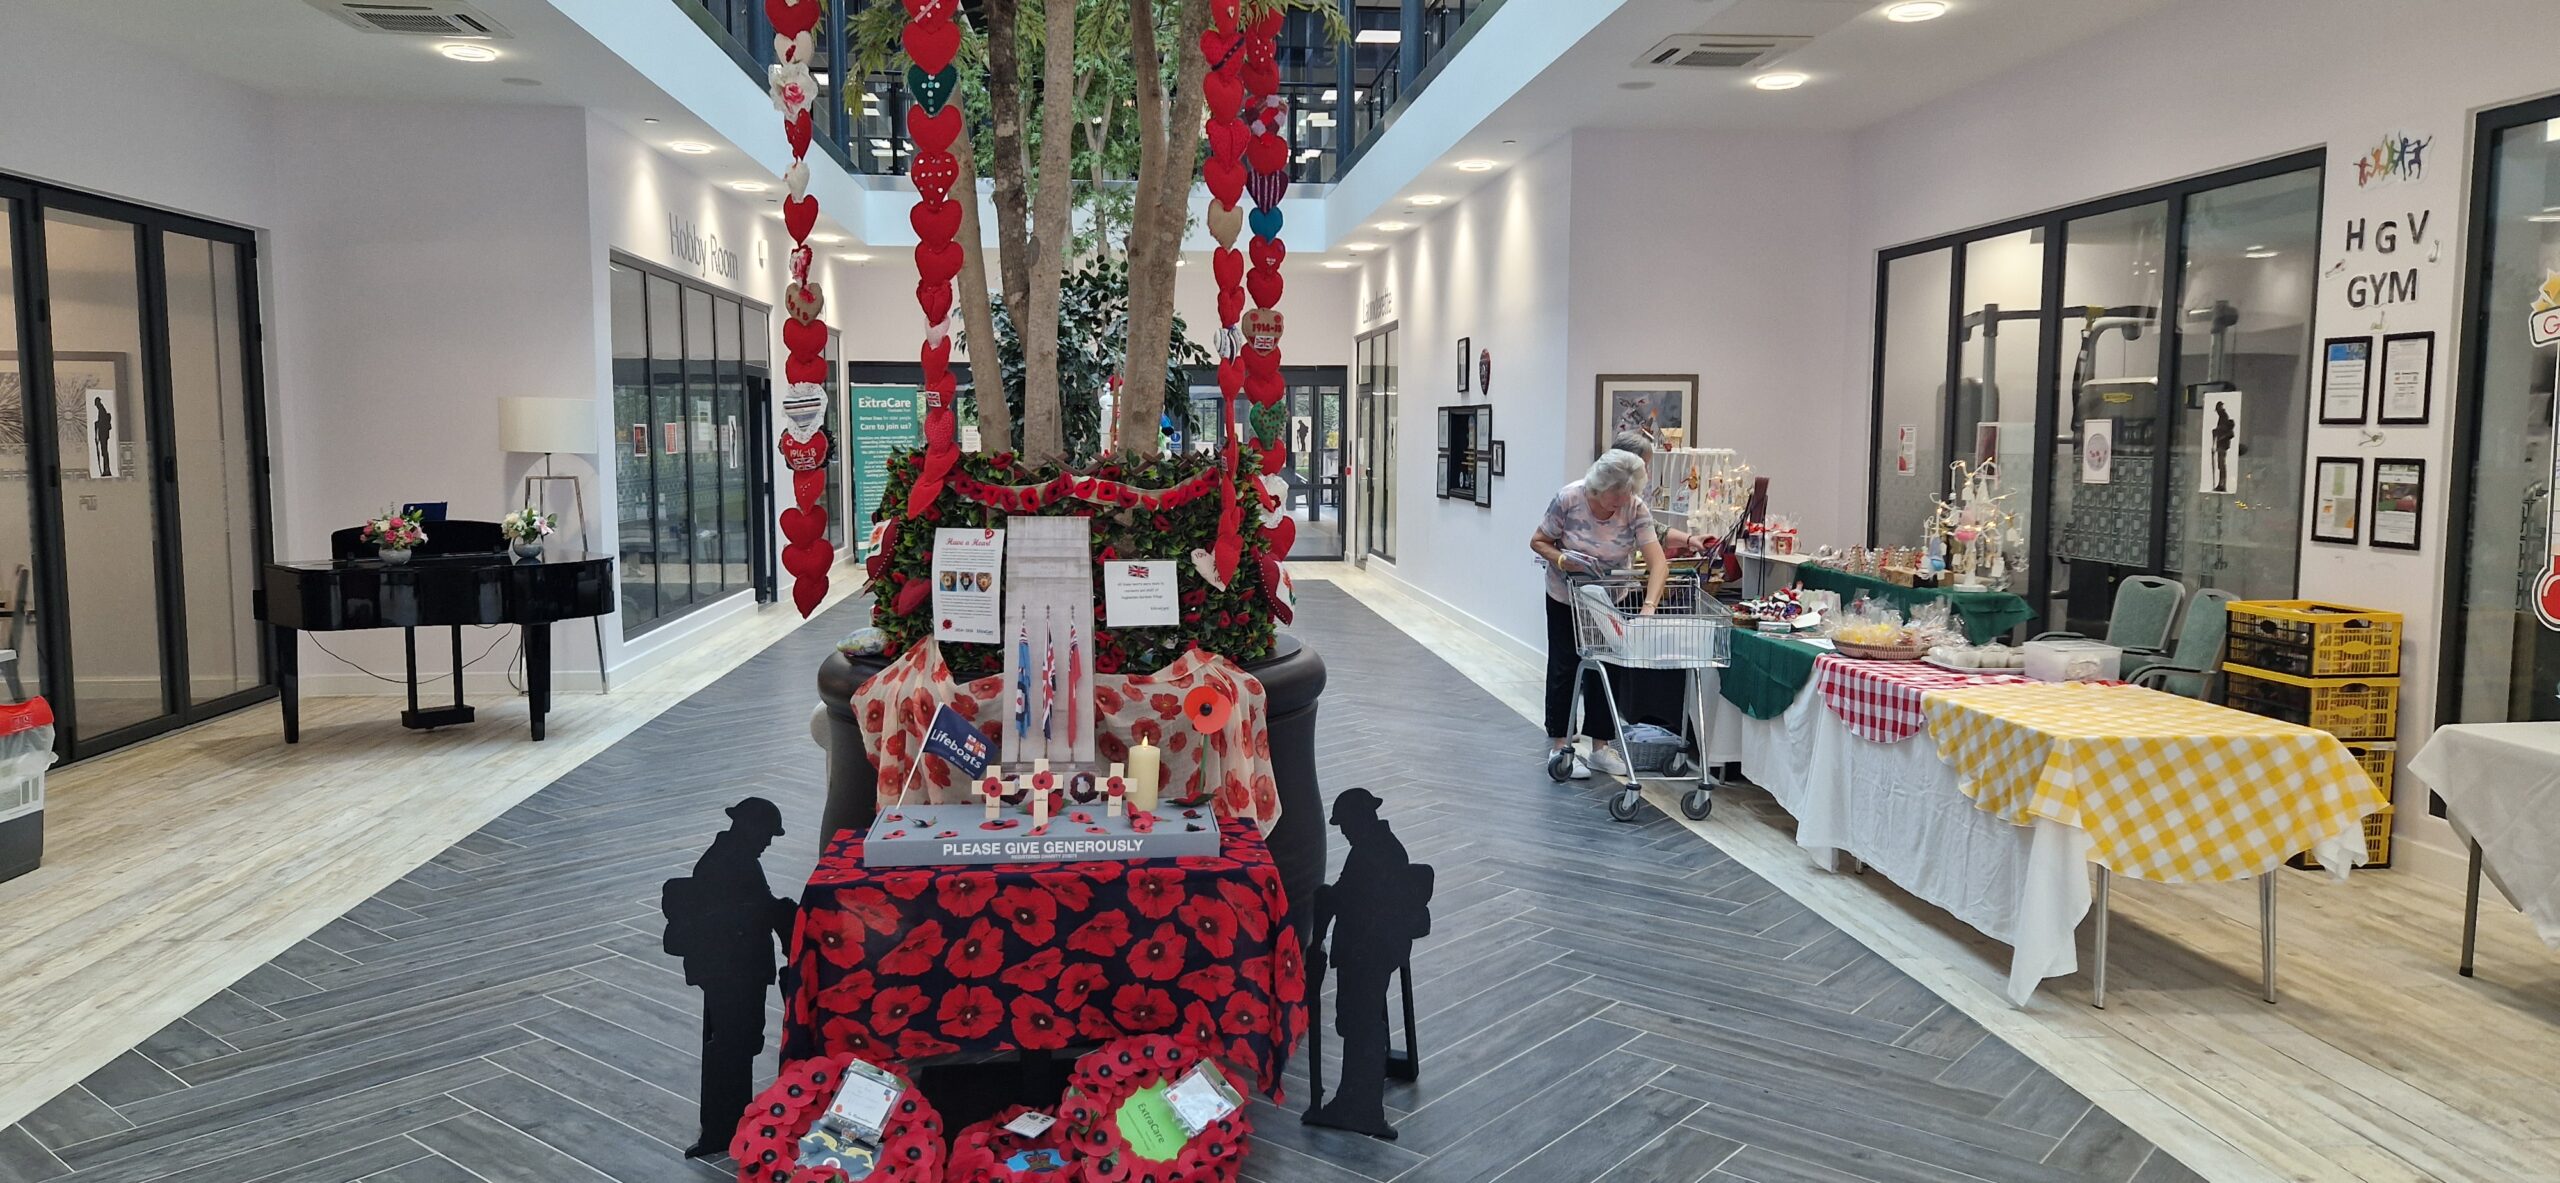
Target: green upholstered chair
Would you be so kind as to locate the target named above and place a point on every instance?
(2145, 607)
(2191, 670)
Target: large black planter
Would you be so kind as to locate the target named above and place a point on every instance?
(1293, 678)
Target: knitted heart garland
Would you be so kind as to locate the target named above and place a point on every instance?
(1268, 252)
(1228, 266)
(798, 49)
(805, 300)
(800, 337)
(935, 298)
(931, 10)
(799, 216)
(934, 173)
(802, 525)
(1225, 178)
(937, 262)
(1265, 286)
(806, 455)
(809, 591)
(809, 559)
(804, 369)
(798, 130)
(790, 18)
(1269, 187)
(1227, 137)
(932, 44)
(808, 487)
(932, 90)
(1265, 221)
(1225, 220)
(934, 131)
(1267, 154)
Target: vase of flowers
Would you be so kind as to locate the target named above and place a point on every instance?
(394, 535)
(526, 528)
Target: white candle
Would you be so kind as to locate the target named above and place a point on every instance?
(1145, 764)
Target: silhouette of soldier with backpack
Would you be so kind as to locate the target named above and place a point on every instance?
(1372, 914)
(723, 921)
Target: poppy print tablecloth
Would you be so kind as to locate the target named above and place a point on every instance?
(898, 964)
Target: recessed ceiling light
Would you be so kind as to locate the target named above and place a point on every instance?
(1379, 37)
(826, 238)
(1426, 199)
(2259, 252)
(1914, 11)
(650, 119)
(1182, 262)
(1359, 247)
(1337, 264)
(855, 258)
(1392, 227)
(1780, 80)
(465, 51)
(749, 186)
(689, 147)
(2546, 217)
(1475, 166)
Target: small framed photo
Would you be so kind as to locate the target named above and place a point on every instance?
(2408, 379)
(2337, 499)
(1466, 361)
(1499, 457)
(2399, 503)
(1648, 404)
(2346, 380)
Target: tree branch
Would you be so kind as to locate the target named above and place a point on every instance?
(977, 314)
(1043, 427)
(1169, 146)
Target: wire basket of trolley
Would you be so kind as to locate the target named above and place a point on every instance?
(1689, 631)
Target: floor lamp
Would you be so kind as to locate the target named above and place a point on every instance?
(550, 426)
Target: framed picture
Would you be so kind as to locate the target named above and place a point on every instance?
(2399, 503)
(94, 415)
(1648, 403)
(1466, 361)
(2408, 378)
(2337, 499)
(2346, 379)
(1499, 458)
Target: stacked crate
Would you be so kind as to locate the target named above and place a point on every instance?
(2328, 666)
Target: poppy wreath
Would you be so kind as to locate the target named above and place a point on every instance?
(767, 1144)
(1235, 622)
(1107, 1077)
(978, 1155)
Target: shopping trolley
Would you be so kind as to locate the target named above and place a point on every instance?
(1688, 631)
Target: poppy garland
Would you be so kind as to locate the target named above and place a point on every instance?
(982, 1152)
(767, 1144)
(1107, 1077)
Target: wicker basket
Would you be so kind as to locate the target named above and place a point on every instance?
(1879, 652)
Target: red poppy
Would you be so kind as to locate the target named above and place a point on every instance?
(1106, 700)
(1072, 890)
(848, 994)
(915, 1043)
(1156, 891)
(968, 1012)
(1077, 983)
(1111, 748)
(967, 706)
(1245, 1015)
(837, 936)
(1288, 971)
(1251, 917)
(849, 1037)
(1207, 709)
(1199, 1027)
(907, 885)
(1159, 956)
(1035, 971)
(914, 956)
(1102, 872)
(1181, 740)
(1036, 1026)
(1212, 923)
(894, 1007)
(1101, 936)
(1165, 706)
(965, 893)
(875, 716)
(979, 953)
(868, 906)
(1210, 981)
(1032, 912)
(1142, 1008)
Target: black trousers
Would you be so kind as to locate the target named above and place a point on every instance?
(1645, 696)
(732, 1037)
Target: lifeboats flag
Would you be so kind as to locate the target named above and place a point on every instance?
(957, 740)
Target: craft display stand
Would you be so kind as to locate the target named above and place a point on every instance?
(1048, 640)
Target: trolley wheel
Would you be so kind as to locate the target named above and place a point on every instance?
(1560, 764)
(1679, 766)
(1696, 804)
(1624, 803)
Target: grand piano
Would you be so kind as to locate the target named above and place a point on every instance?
(462, 575)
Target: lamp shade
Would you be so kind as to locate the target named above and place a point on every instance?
(547, 425)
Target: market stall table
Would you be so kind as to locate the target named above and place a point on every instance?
(2500, 783)
(909, 963)
(1768, 672)
(1987, 615)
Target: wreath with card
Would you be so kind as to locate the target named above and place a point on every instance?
(997, 1151)
(773, 1143)
(1117, 1113)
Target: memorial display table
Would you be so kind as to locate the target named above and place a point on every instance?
(1987, 615)
(905, 963)
(2500, 783)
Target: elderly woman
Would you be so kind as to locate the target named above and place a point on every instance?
(1594, 525)
(1642, 447)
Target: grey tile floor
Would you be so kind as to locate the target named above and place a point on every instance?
(1600, 1001)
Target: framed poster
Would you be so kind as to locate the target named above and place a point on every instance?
(95, 415)
(2337, 494)
(2097, 451)
(1466, 361)
(2346, 379)
(2408, 378)
(1499, 458)
(2399, 503)
(1649, 404)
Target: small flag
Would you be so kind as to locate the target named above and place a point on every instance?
(957, 740)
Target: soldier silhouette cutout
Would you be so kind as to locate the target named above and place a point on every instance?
(723, 921)
(1366, 922)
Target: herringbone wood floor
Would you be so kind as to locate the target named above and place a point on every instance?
(1600, 1001)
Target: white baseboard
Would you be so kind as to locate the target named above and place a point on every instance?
(1386, 573)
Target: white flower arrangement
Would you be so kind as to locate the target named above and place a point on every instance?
(527, 525)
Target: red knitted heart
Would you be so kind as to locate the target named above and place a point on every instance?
(798, 129)
(1274, 459)
(934, 173)
(934, 133)
(1263, 389)
(1222, 13)
(935, 299)
(931, 10)
(807, 455)
(804, 300)
(1267, 252)
(936, 358)
(1271, 577)
(1267, 154)
(791, 17)
(801, 525)
(1280, 537)
(1228, 266)
(1225, 95)
(807, 487)
(803, 337)
(1227, 138)
(1225, 178)
(809, 559)
(799, 216)
(932, 44)
(1265, 286)
(808, 591)
(1230, 306)
(937, 262)
(1215, 45)
(935, 221)
(804, 369)
(910, 597)
(1231, 377)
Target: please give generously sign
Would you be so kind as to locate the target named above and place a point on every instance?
(961, 835)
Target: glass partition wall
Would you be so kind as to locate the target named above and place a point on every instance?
(2038, 348)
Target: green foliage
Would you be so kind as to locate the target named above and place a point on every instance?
(1093, 342)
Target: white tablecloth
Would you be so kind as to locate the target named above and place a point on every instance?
(1898, 808)
(2501, 788)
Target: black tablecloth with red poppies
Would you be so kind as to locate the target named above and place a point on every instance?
(899, 964)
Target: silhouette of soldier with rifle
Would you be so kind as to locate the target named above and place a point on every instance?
(723, 921)
(1372, 914)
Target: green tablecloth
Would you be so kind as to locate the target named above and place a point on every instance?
(1767, 673)
(1987, 615)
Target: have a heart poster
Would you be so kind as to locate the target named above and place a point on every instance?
(968, 583)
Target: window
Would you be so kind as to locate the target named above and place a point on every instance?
(690, 375)
(2046, 349)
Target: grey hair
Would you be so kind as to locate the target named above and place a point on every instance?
(1616, 471)
(1641, 445)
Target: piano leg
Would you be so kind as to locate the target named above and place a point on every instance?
(537, 673)
(422, 719)
(288, 666)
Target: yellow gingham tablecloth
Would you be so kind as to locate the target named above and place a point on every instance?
(2169, 789)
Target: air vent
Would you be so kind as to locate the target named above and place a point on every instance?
(430, 18)
(1718, 51)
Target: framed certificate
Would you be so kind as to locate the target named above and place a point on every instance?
(2408, 378)
(2346, 379)
(2337, 499)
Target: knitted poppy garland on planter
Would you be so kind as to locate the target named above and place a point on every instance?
(789, 1135)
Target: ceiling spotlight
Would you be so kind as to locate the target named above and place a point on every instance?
(1780, 80)
(1359, 247)
(1475, 166)
(649, 119)
(1379, 37)
(826, 238)
(1912, 12)
(1425, 199)
(855, 258)
(1337, 264)
(749, 186)
(465, 51)
(2259, 252)
(1392, 227)
(689, 147)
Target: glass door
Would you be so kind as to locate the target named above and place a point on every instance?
(1315, 466)
(2111, 423)
(21, 421)
(1376, 362)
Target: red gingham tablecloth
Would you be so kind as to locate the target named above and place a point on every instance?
(1880, 700)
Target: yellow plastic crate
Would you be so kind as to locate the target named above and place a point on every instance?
(2379, 761)
(2310, 639)
(2377, 844)
(2349, 708)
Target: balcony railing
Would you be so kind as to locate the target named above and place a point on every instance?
(1342, 95)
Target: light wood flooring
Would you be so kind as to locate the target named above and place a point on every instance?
(2378, 1064)
(176, 866)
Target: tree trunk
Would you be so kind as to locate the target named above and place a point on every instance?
(1168, 139)
(1052, 213)
(977, 317)
(1011, 197)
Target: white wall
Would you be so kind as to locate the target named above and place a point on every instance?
(2209, 84)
